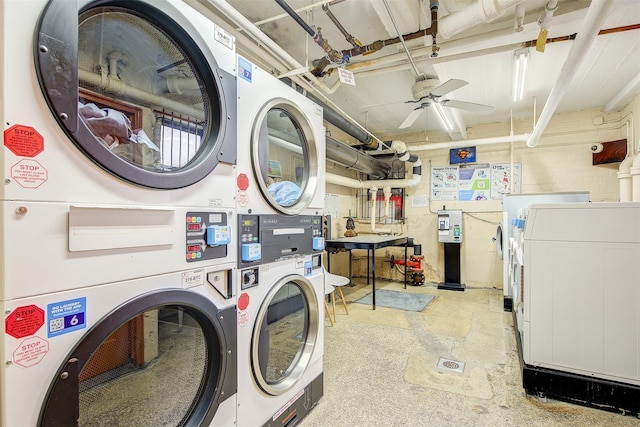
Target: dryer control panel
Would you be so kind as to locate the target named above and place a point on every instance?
(208, 235)
(269, 238)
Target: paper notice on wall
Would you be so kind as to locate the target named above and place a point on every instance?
(444, 183)
(419, 201)
(331, 205)
(346, 76)
(501, 178)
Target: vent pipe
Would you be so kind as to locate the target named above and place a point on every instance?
(351, 158)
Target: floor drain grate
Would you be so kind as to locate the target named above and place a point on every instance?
(450, 365)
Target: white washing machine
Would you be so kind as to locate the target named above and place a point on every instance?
(117, 102)
(281, 140)
(280, 341)
(154, 351)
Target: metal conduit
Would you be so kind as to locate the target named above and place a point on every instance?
(351, 158)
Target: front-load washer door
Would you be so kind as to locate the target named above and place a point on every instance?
(284, 156)
(284, 335)
(166, 358)
(134, 86)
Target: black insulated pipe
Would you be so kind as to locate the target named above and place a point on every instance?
(296, 17)
(333, 117)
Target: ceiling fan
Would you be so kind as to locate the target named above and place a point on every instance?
(429, 91)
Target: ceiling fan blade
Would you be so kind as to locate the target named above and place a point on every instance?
(412, 117)
(468, 106)
(448, 86)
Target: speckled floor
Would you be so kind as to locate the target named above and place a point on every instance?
(380, 367)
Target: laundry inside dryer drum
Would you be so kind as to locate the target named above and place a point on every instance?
(284, 152)
(150, 98)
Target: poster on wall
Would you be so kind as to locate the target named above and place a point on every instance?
(501, 177)
(444, 183)
(331, 205)
(474, 182)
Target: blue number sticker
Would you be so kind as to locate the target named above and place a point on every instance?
(66, 316)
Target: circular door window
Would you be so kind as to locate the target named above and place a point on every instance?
(284, 156)
(155, 361)
(146, 102)
(284, 335)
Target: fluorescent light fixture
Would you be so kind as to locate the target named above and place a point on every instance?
(521, 58)
(443, 115)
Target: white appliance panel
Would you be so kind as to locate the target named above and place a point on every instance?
(145, 241)
(582, 289)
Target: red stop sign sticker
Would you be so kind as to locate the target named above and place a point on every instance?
(24, 321)
(23, 141)
(243, 301)
(242, 181)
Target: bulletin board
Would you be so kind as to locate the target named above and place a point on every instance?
(475, 182)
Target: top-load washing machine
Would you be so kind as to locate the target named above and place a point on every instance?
(281, 147)
(117, 102)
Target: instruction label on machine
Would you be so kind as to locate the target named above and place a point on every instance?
(66, 316)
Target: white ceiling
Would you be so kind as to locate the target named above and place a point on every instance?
(480, 53)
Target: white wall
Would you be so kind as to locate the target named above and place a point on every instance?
(561, 162)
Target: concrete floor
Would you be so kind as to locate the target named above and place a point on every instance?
(381, 369)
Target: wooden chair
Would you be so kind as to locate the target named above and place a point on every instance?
(329, 292)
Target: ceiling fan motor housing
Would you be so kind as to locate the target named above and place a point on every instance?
(424, 87)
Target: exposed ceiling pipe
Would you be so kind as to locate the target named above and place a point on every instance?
(593, 21)
(348, 37)
(333, 54)
(351, 158)
(404, 45)
(300, 9)
(403, 155)
(545, 23)
(238, 19)
(323, 63)
(518, 19)
(471, 142)
(334, 117)
(469, 17)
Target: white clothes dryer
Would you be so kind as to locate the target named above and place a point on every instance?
(154, 351)
(280, 341)
(117, 102)
(281, 147)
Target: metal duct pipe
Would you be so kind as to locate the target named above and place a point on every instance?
(469, 17)
(393, 183)
(332, 116)
(596, 15)
(351, 158)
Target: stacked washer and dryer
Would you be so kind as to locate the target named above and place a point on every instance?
(280, 199)
(119, 252)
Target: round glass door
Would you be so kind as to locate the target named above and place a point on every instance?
(284, 157)
(144, 99)
(284, 335)
(156, 361)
